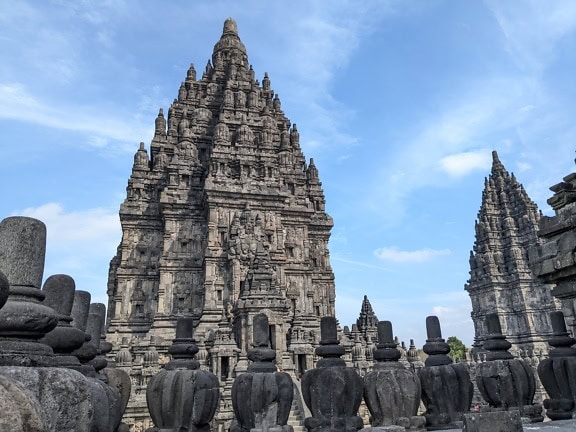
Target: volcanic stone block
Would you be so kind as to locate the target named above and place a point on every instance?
(497, 421)
(446, 388)
(181, 397)
(558, 372)
(262, 397)
(505, 382)
(332, 391)
(59, 292)
(391, 391)
(24, 319)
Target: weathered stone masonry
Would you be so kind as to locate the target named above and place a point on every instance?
(223, 219)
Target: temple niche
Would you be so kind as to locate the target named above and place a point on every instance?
(501, 281)
(223, 219)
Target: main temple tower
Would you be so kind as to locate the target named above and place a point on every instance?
(223, 219)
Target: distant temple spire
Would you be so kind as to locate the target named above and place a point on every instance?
(367, 322)
(500, 279)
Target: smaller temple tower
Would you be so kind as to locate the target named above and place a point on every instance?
(500, 278)
(367, 322)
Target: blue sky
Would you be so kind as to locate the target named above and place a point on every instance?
(399, 103)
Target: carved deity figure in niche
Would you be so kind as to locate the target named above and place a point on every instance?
(211, 89)
(228, 98)
(293, 244)
(182, 93)
(183, 287)
(244, 136)
(160, 160)
(143, 247)
(253, 99)
(187, 151)
(141, 158)
(184, 123)
(221, 133)
(240, 99)
(138, 302)
(202, 115)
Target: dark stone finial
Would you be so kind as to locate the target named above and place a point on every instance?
(182, 384)
(65, 338)
(87, 352)
(230, 26)
(184, 328)
(261, 355)
(446, 387)
(59, 295)
(23, 318)
(495, 157)
(436, 347)
(493, 324)
(80, 309)
(4, 289)
(22, 251)
(90, 324)
(386, 350)
(329, 349)
(332, 391)
(496, 343)
(558, 323)
(262, 397)
(558, 372)
(505, 382)
(400, 400)
(328, 331)
(191, 74)
(433, 330)
(260, 330)
(385, 335)
(183, 348)
(96, 322)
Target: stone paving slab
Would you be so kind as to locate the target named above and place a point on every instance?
(553, 426)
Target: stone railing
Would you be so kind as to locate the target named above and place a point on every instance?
(54, 375)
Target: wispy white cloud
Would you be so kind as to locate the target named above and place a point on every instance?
(393, 254)
(79, 243)
(66, 228)
(454, 315)
(309, 52)
(531, 29)
(461, 164)
(357, 263)
(17, 103)
(523, 166)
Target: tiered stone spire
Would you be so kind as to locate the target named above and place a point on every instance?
(500, 278)
(367, 322)
(222, 211)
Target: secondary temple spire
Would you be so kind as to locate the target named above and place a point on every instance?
(500, 279)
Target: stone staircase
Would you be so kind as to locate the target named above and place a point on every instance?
(296, 418)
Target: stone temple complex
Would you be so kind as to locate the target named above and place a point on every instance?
(221, 298)
(500, 277)
(224, 219)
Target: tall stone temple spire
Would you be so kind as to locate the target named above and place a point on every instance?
(223, 219)
(500, 278)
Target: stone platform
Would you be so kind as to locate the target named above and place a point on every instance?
(552, 426)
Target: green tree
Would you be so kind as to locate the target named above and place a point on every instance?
(457, 348)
